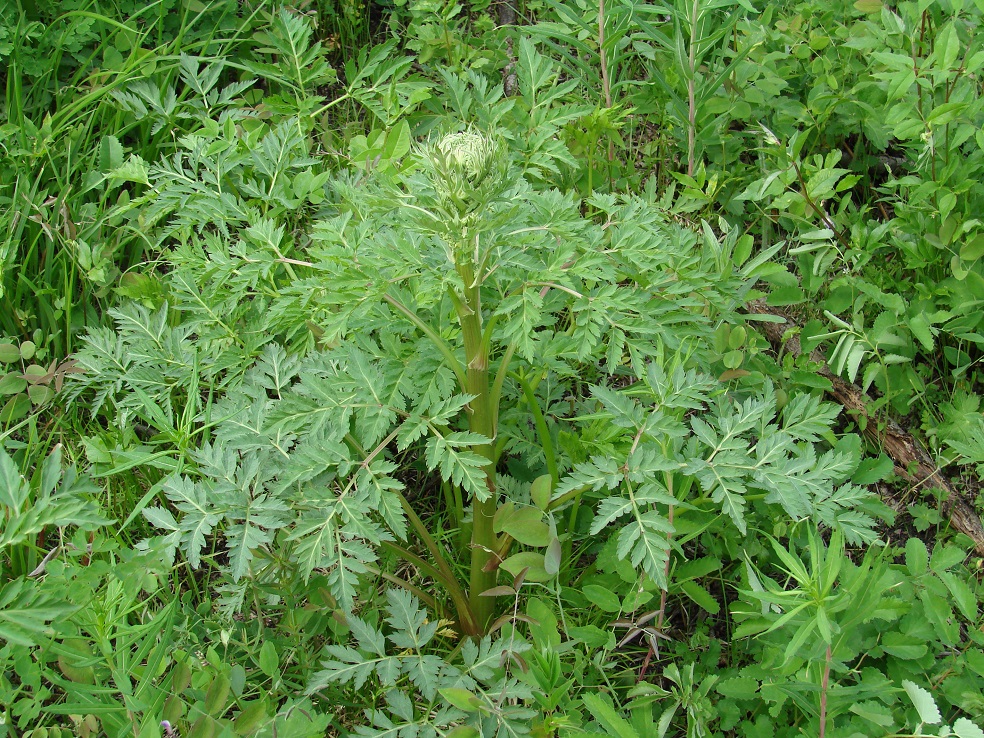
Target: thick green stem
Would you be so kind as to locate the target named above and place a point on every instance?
(480, 420)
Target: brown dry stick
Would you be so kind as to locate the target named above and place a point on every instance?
(912, 462)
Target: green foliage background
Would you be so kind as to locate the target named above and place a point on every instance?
(383, 368)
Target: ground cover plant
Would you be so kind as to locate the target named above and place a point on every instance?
(399, 369)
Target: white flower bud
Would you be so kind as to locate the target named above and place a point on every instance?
(468, 171)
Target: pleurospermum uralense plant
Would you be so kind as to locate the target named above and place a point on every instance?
(446, 316)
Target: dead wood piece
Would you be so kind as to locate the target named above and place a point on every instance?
(912, 461)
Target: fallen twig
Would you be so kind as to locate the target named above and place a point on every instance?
(912, 461)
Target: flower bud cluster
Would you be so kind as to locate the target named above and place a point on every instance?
(468, 171)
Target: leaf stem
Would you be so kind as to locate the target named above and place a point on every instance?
(412, 588)
(546, 441)
(439, 569)
(500, 377)
(438, 342)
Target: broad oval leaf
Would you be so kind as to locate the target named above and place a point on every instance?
(526, 525)
(527, 560)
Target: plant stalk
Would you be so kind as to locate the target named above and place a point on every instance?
(823, 694)
(480, 420)
(440, 570)
(546, 441)
(691, 97)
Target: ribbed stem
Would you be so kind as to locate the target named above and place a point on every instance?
(480, 420)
